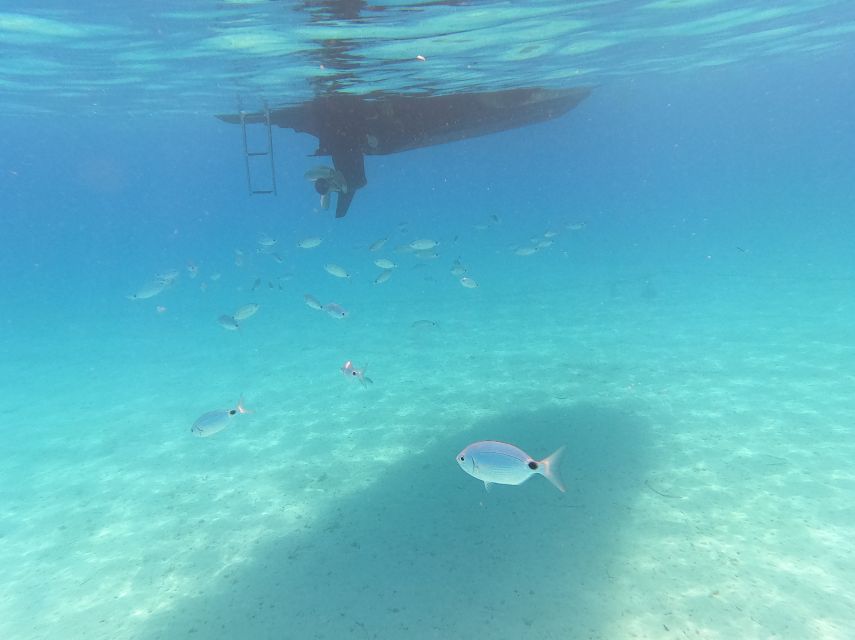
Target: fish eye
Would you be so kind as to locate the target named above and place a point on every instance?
(462, 458)
(532, 465)
(353, 373)
(232, 412)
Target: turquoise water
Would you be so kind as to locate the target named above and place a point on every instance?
(688, 335)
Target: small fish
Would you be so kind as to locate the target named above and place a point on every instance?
(277, 257)
(351, 371)
(377, 244)
(246, 311)
(336, 311)
(148, 290)
(384, 276)
(576, 226)
(228, 322)
(468, 282)
(215, 277)
(215, 421)
(550, 234)
(502, 463)
(266, 241)
(160, 308)
(309, 243)
(525, 251)
(424, 324)
(385, 263)
(543, 244)
(238, 258)
(313, 302)
(335, 270)
(424, 244)
(192, 269)
(167, 277)
(458, 268)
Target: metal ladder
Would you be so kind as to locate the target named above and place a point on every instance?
(254, 154)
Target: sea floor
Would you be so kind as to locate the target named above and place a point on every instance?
(708, 425)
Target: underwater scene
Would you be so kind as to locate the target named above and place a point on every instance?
(437, 319)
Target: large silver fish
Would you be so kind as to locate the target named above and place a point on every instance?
(215, 421)
(335, 270)
(313, 302)
(335, 310)
(228, 323)
(499, 462)
(246, 311)
(148, 290)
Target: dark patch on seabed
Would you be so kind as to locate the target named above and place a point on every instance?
(427, 553)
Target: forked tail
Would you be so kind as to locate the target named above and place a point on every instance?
(548, 468)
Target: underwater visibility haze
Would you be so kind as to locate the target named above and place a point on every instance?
(431, 320)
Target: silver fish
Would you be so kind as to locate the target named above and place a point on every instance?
(499, 462)
(313, 302)
(458, 268)
(335, 270)
(385, 263)
(423, 245)
(215, 421)
(384, 276)
(350, 370)
(525, 251)
(148, 290)
(167, 277)
(228, 322)
(309, 243)
(424, 324)
(246, 311)
(336, 311)
(468, 282)
(377, 244)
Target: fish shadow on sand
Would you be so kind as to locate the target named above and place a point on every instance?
(426, 552)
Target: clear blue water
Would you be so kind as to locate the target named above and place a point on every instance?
(692, 345)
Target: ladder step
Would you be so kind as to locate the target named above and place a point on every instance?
(256, 118)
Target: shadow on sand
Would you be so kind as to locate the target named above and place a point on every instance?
(427, 553)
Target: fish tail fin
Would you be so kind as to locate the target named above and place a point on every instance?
(548, 468)
(241, 408)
